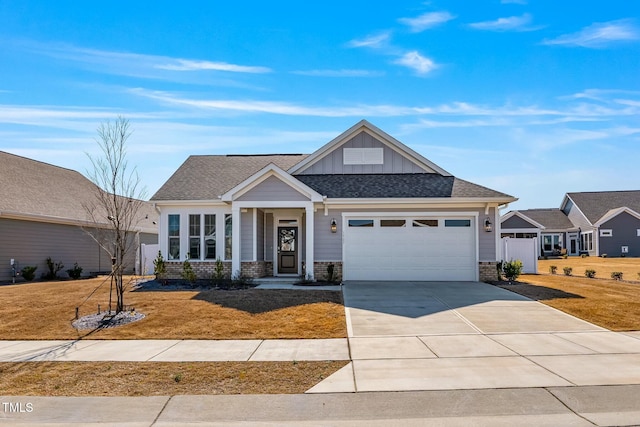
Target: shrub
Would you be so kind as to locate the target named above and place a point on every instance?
(187, 271)
(499, 269)
(159, 267)
(53, 269)
(553, 269)
(590, 273)
(512, 269)
(29, 272)
(567, 271)
(603, 255)
(240, 281)
(583, 255)
(75, 272)
(616, 275)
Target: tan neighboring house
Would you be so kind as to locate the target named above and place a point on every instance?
(42, 215)
(364, 202)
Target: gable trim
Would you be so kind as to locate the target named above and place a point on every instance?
(523, 217)
(614, 213)
(385, 138)
(564, 204)
(262, 175)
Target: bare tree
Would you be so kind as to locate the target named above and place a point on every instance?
(118, 199)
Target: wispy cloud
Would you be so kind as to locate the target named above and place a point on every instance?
(136, 64)
(599, 35)
(418, 63)
(374, 41)
(512, 23)
(190, 65)
(426, 21)
(339, 73)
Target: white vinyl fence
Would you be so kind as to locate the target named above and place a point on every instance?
(526, 250)
(148, 253)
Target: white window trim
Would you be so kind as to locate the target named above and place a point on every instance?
(606, 232)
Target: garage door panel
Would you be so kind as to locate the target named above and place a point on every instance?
(409, 253)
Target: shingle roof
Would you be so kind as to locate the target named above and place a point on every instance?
(595, 204)
(208, 177)
(30, 187)
(427, 185)
(551, 218)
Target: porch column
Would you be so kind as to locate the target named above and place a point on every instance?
(309, 220)
(235, 240)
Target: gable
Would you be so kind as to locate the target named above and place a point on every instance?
(365, 149)
(516, 222)
(273, 189)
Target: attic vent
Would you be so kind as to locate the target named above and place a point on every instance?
(362, 156)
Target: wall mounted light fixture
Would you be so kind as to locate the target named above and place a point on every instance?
(487, 225)
(334, 225)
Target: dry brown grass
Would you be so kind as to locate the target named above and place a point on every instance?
(160, 378)
(630, 267)
(611, 304)
(45, 310)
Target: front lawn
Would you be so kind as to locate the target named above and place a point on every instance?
(45, 310)
(630, 267)
(612, 304)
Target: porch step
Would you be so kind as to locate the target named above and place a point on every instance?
(276, 280)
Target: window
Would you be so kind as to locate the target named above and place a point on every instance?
(457, 223)
(425, 222)
(228, 231)
(174, 237)
(360, 223)
(194, 236)
(551, 242)
(210, 237)
(606, 233)
(586, 240)
(393, 223)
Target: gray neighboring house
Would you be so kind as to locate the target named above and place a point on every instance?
(364, 202)
(594, 223)
(42, 215)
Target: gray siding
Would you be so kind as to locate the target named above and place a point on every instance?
(30, 243)
(517, 222)
(575, 216)
(260, 233)
(332, 162)
(268, 236)
(624, 228)
(272, 189)
(246, 235)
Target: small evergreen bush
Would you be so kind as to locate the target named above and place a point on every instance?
(159, 267)
(29, 272)
(512, 269)
(53, 268)
(553, 269)
(616, 275)
(567, 271)
(590, 273)
(75, 272)
(187, 271)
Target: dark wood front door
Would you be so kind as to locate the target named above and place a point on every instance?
(288, 250)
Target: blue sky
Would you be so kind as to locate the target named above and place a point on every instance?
(534, 98)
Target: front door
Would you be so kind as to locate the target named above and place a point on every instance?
(288, 250)
(573, 244)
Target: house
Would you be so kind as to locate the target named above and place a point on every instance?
(593, 223)
(42, 215)
(364, 202)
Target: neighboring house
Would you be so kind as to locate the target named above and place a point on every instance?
(42, 215)
(593, 223)
(364, 202)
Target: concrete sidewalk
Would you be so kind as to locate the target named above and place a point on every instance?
(174, 350)
(556, 406)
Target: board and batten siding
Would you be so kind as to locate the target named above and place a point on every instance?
(333, 162)
(246, 235)
(272, 189)
(260, 235)
(516, 222)
(30, 243)
(624, 229)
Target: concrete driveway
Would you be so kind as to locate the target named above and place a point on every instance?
(406, 336)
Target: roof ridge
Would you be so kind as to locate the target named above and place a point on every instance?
(41, 162)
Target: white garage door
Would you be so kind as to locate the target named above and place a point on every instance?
(409, 248)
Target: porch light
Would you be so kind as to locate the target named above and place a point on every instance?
(487, 225)
(334, 225)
